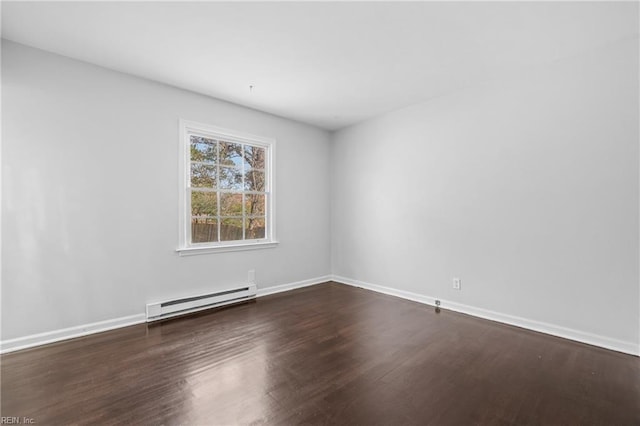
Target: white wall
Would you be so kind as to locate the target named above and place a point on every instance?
(90, 195)
(526, 188)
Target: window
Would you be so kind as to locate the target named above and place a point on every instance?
(226, 191)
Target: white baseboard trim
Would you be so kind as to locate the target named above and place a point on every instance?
(631, 348)
(386, 290)
(39, 339)
(292, 286)
(26, 342)
(541, 327)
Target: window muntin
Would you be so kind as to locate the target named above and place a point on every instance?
(228, 194)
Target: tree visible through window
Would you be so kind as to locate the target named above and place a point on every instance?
(227, 192)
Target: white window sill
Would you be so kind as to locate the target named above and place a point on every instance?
(192, 251)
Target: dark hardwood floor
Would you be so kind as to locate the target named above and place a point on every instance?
(327, 354)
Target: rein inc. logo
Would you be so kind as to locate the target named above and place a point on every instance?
(6, 420)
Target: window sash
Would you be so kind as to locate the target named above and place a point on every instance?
(219, 216)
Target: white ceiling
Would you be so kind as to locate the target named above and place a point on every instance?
(327, 64)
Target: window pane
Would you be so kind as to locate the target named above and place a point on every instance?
(204, 229)
(204, 204)
(231, 154)
(254, 157)
(254, 180)
(230, 204)
(203, 149)
(231, 229)
(203, 176)
(255, 228)
(230, 178)
(254, 204)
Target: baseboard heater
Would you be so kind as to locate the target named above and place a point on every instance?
(187, 305)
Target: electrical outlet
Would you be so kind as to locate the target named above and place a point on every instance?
(456, 284)
(252, 276)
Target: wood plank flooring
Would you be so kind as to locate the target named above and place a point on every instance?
(327, 354)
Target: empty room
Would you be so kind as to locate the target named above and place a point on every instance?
(339, 213)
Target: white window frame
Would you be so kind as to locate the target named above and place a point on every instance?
(186, 247)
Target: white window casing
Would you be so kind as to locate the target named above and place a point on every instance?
(211, 227)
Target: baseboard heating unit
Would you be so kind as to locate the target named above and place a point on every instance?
(172, 308)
